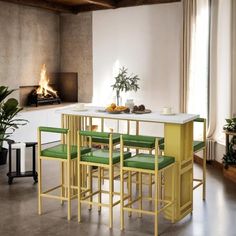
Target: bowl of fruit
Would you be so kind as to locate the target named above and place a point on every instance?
(114, 109)
(141, 109)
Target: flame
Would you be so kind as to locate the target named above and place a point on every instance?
(44, 87)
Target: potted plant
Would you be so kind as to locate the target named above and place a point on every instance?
(230, 125)
(230, 157)
(8, 123)
(126, 83)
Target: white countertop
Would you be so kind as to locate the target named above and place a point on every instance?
(154, 116)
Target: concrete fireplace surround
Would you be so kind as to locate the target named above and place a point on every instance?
(30, 37)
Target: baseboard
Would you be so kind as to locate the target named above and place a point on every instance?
(214, 163)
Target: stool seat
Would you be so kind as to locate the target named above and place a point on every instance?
(141, 141)
(60, 151)
(197, 145)
(102, 156)
(147, 161)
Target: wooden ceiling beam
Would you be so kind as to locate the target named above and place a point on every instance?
(104, 3)
(89, 7)
(119, 4)
(130, 3)
(49, 5)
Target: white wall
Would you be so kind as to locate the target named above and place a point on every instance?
(146, 40)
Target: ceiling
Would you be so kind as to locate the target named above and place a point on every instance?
(77, 6)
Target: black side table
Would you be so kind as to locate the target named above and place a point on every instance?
(17, 174)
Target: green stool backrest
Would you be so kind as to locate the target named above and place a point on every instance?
(128, 137)
(122, 139)
(200, 120)
(62, 131)
(95, 134)
(53, 130)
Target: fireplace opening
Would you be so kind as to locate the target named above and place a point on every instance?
(44, 94)
(53, 88)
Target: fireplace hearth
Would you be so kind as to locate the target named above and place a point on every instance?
(38, 99)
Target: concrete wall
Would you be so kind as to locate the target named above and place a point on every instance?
(77, 51)
(29, 37)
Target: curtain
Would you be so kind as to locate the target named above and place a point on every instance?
(212, 83)
(233, 65)
(189, 16)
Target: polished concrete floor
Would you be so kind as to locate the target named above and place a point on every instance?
(18, 211)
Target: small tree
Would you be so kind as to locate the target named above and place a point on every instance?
(126, 83)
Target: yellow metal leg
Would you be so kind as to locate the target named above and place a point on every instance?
(130, 189)
(204, 175)
(90, 176)
(173, 193)
(39, 186)
(111, 197)
(121, 199)
(150, 181)
(79, 193)
(140, 193)
(69, 190)
(62, 182)
(99, 188)
(156, 205)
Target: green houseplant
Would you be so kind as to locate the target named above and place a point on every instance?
(230, 125)
(8, 123)
(230, 157)
(125, 83)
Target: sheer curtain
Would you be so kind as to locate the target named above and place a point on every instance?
(197, 90)
(211, 79)
(198, 77)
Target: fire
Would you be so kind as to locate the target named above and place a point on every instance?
(44, 88)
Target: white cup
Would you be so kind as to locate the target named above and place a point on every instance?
(80, 106)
(166, 110)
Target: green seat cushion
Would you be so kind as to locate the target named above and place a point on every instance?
(198, 145)
(141, 141)
(102, 156)
(105, 140)
(60, 151)
(147, 161)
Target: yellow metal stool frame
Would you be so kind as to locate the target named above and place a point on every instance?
(128, 207)
(201, 146)
(68, 195)
(86, 194)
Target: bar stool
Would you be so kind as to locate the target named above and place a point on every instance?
(17, 173)
(200, 145)
(145, 164)
(64, 153)
(100, 158)
(140, 143)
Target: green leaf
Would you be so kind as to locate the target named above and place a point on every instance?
(229, 121)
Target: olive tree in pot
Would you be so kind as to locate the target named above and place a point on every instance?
(8, 123)
(126, 83)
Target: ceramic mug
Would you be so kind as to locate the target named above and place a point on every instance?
(166, 110)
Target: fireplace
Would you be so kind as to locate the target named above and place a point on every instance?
(63, 89)
(44, 94)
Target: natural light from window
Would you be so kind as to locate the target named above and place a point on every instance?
(198, 80)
